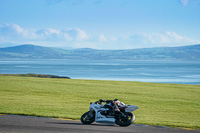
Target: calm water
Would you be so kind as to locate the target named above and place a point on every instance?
(145, 71)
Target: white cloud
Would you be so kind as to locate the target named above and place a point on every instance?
(10, 29)
(81, 35)
(113, 38)
(74, 34)
(54, 31)
(16, 34)
(75, 37)
(174, 36)
(102, 38)
(184, 2)
(162, 39)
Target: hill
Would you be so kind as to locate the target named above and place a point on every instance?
(28, 51)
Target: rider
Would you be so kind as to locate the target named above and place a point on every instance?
(112, 105)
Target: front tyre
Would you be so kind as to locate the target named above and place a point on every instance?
(88, 117)
(126, 120)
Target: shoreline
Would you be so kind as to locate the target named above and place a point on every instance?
(100, 79)
(35, 75)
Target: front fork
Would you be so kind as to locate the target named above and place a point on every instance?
(120, 114)
(91, 114)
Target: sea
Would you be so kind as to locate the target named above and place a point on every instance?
(176, 72)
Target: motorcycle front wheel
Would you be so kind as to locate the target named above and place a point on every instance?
(88, 117)
(125, 121)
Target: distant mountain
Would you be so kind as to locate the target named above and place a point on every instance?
(28, 51)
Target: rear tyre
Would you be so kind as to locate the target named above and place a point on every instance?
(125, 121)
(88, 117)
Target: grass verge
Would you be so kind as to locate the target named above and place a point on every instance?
(174, 105)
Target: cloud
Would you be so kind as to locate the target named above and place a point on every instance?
(81, 35)
(102, 38)
(184, 2)
(16, 34)
(76, 37)
(10, 29)
(162, 39)
(74, 34)
(11, 32)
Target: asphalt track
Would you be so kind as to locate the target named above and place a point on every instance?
(30, 124)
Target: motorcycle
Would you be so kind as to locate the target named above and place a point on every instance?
(113, 111)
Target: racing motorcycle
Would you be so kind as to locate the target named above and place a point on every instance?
(113, 111)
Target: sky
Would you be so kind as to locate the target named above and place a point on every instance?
(100, 24)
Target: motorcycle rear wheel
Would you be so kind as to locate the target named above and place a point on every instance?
(88, 117)
(125, 121)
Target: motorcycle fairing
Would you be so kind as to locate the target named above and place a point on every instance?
(102, 118)
(98, 117)
(131, 108)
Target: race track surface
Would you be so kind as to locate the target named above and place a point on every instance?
(30, 124)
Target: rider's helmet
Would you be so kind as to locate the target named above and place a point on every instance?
(117, 102)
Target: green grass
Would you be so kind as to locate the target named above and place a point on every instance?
(172, 105)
